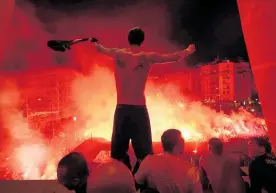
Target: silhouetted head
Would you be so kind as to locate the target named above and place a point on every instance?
(215, 146)
(72, 171)
(258, 146)
(136, 36)
(173, 142)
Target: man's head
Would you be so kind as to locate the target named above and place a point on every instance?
(173, 142)
(258, 146)
(72, 171)
(215, 146)
(136, 36)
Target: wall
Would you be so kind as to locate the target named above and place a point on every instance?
(258, 20)
(31, 186)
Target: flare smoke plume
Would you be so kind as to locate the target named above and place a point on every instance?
(93, 88)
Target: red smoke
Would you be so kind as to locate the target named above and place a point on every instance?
(93, 89)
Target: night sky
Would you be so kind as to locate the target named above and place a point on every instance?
(214, 26)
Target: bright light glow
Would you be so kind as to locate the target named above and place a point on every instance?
(30, 158)
(167, 107)
(92, 95)
(74, 118)
(186, 135)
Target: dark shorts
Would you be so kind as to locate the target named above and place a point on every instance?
(131, 122)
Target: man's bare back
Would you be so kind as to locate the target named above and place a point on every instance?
(131, 72)
(132, 69)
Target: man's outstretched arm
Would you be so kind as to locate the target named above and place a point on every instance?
(111, 52)
(156, 58)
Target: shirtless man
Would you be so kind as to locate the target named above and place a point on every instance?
(131, 119)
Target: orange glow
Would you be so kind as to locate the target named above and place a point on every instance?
(167, 106)
(33, 148)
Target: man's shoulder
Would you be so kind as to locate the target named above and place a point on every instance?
(205, 158)
(264, 159)
(171, 158)
(211, 158)
(126, 53)
(186, 164)
(152, 157)
(230, 159)
(123, 50)
(111, 162)
(257, 162)
(93, 165)
(258, 159)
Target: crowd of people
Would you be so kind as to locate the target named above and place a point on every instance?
(169, 172)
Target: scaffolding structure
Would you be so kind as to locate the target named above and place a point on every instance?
(47, 98)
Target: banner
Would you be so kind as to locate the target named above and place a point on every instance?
(258, 20)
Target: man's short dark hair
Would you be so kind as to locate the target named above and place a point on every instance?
(262, 142)
(75, 164)
(216, 145)
(136, 36)
(170, 138)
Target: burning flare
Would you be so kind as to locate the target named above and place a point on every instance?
(94, 97)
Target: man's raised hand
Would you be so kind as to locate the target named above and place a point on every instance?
(94, 40)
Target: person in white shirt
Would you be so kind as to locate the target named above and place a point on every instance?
(111, 177)
(169, 172)
(222, 172)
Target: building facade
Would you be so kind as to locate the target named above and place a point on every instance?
(226, 81)
(209, 80)
(226, 74)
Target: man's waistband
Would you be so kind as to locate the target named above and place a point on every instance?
(130, 106)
